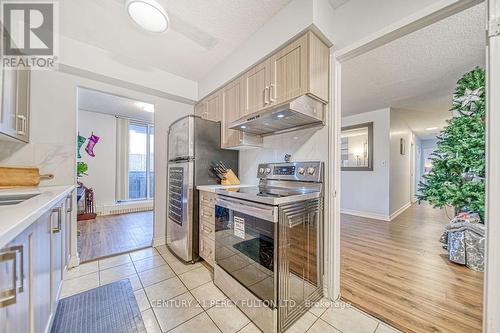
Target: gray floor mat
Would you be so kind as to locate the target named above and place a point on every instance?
(111, 308)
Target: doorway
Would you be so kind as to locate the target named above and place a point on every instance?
(392, 263)
(115, 173)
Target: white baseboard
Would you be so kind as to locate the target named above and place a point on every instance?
(368, 215)
(125, 207)
(400, 210)
(157, 241)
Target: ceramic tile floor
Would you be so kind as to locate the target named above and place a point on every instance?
(175, 297)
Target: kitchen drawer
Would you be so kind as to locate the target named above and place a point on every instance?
(207, 198)
(207, 228)
(207, 212)
(207, 249)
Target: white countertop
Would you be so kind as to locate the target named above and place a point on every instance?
(212, 188)
(14, 219)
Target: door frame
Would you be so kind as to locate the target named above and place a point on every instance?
(412, 23)
(491, 301)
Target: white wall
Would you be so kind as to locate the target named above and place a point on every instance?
(400, 181)
(304, 145)
(367, 192)
(102, 168)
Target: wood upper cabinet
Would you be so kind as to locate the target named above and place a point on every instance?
(301, 67)
(256, 88)
(200, 109)
(289, 72)
(232, 109)
(214, 106)
(232, 104)
(210, 107)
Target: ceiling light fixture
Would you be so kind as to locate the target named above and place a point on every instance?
(431, 128)
(243, 126)
(148, 14)
(280, 115)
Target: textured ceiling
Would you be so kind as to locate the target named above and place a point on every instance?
(417, 72)
(100, 102)
(202, 32)
(337, 3)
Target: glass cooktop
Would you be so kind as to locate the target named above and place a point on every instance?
(269, 195)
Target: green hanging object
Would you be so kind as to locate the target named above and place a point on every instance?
(81, 141)
(81, 169)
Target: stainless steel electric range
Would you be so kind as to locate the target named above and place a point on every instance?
(268, 243)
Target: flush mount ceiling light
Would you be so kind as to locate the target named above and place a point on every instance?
(431, 128)
(148, 14)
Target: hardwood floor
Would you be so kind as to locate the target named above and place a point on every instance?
(113, 234)
(398, 272)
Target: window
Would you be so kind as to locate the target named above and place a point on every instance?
(140, 160)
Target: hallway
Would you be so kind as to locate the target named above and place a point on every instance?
(113, 234)
(399, 272)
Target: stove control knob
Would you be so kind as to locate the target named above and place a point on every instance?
(268, 171)
(301, 171)
(311, 170)
(261, 170)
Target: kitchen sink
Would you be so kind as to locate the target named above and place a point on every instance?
(14, 199)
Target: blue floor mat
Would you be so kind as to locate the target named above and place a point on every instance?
(111, 308)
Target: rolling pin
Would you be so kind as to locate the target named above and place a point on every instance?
(11, 177)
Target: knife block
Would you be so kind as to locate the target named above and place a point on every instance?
(230, 178)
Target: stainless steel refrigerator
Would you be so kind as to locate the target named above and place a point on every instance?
(193, 144)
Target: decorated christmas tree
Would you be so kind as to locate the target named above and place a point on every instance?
(457, 175)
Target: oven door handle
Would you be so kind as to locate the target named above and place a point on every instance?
(265, 212)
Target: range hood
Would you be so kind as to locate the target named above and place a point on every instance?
(299, 113)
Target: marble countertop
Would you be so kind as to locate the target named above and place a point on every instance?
(16, 218)
(212, 188)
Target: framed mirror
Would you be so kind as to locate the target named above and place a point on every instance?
(356, 150)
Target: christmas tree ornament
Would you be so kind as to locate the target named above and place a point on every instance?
(93, 139)
(81, 141)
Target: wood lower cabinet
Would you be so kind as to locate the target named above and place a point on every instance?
(232, 110)
(31, 269)
(207, 226)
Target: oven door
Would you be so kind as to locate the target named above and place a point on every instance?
(246, 245)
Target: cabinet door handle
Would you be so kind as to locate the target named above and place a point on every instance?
(20, 249)
(59, 220)
(70, 206)
(266, 100)
(8, 296)
(23, 126)
(272, 93)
